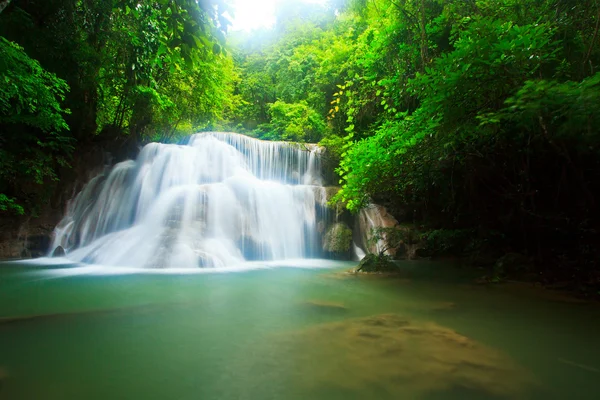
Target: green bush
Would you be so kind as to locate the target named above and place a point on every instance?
(295, 122)
(377, 263)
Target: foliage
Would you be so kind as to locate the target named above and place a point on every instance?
(30, 97)
(338, 238)
(29, 94)
(448, 241)
(392, 237)
(478, 116)
(287, 84)
(160, 81)
(9, 204)
(377, 263)
(129, 71)
(295, 122)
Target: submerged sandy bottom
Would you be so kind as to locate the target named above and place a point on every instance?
(286, 333)
(392, 355)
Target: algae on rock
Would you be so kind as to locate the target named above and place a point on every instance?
(376, 263)
(401, 356)
(338, 239)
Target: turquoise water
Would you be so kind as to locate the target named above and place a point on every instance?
(289, 333)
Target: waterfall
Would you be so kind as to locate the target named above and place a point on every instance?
(217, 200)
(369, 218)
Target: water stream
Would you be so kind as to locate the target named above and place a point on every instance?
(218, 200)
(193, 272)
(308, 332)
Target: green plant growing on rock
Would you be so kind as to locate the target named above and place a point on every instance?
(338, 239)
(377, 263)
(392, 238)
(397, 238)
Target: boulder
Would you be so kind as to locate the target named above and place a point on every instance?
(376, 263)
(58, 252)
(403, 358)
(338, 239)
(369, 219)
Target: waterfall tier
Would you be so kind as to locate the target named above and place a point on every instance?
(218, 200)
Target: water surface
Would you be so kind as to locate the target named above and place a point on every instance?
(288, 333)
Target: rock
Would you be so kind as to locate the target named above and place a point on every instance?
(370, 218)
(39, 244)
(338, 239)
(376, 263)
(401, 241)
(25, 240)
(401, 357)
(511, 264)
(58, 252)
(324, 194)
(25, 253)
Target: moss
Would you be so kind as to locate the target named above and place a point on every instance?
(376, 263)
(338, 238)
(406, 358)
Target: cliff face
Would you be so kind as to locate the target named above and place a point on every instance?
(30, 236)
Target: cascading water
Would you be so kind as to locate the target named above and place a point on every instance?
(218, 200)
(372, 217)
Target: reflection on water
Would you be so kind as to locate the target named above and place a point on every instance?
(288, 333)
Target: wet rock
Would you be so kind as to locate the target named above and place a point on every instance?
(39, 244)
(404, 358)
(386, 320)
(369, 219)
(58, 252)
(324, 194)
(338, 240)
(376, 263)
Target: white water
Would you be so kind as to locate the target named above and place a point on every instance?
(369, 219)
(219, 200)
(359, 253)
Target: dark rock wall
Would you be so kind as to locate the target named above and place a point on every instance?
(30, 236)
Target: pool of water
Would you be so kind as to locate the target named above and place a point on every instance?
(295, 331)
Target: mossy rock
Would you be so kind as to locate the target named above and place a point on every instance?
(331, 191)
(58, 252)
(404, 358)
(338, 239)
(376, 263)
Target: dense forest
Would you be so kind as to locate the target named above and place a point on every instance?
(476, 121)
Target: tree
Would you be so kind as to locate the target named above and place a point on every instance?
(126, 70)
(30, 97)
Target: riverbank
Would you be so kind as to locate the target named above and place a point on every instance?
(490, 275)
